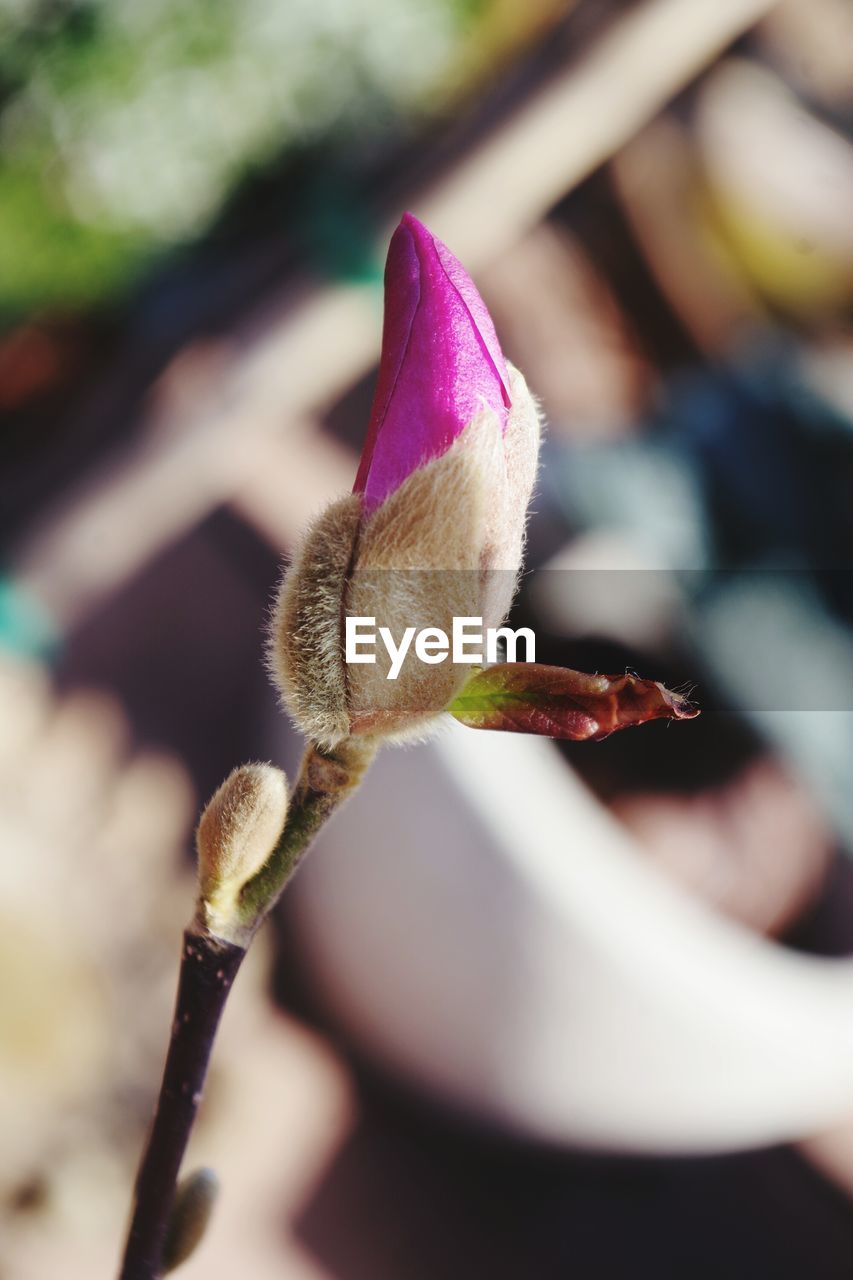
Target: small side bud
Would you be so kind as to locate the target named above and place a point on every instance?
(238, 831)
(194, 1201)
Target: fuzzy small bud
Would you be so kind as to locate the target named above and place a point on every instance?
(238, 831)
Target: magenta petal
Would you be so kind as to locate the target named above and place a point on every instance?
(441, 362)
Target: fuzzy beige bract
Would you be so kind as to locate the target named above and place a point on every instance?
(447, 543)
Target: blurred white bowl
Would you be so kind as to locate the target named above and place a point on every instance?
(479, 923)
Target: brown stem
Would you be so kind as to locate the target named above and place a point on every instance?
(209, 965)
(327, 777)
(208, 968)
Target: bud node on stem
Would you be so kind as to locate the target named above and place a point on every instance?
(325, 774)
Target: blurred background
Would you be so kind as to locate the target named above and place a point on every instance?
(528, 1010)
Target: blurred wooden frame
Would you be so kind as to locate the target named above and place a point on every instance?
(250, 437)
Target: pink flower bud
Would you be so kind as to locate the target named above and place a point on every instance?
(435, 525)
(441, 362)
(433, 531)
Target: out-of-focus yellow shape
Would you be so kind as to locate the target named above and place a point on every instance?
(92, 900)
(779, 190)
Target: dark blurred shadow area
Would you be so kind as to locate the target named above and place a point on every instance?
(400, 1203)
(529, 1010)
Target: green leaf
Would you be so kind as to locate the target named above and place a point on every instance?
(556, 702)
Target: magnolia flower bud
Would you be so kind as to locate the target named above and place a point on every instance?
(238, 831)
(435, 525)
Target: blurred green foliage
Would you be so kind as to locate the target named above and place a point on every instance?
(125, 124)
